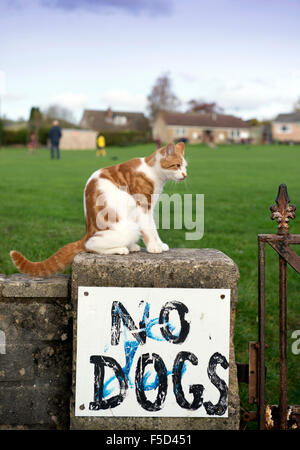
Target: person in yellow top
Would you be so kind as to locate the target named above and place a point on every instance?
(101, 145)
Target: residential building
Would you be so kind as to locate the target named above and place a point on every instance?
(110, 120)
(199, 127)
(286, 128)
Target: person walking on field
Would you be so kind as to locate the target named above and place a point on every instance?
(101, 146)
(32, 143)
(54, 136)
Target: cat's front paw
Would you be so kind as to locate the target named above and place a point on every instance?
(164, 247)
(134, 248)
(154, 248)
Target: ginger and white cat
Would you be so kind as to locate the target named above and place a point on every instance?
(118, 205)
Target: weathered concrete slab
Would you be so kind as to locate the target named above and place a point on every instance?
(42, 405)
(2, 279)
(24, 286)
(29, 362)
(35, 359)
(179, 268)
(34, 321)
(207, 268)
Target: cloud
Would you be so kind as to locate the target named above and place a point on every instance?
(70, 100)
(13, 96)
(135, 7)
(6, 95)
(254, 97)
(187, 77)
(258, 98)
(2, 82)
(122, 99)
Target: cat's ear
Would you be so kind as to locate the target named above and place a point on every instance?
(180, 147)
(168, 150)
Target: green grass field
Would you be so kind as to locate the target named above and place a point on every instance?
(41, 210)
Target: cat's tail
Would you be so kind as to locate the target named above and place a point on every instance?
(56, 263)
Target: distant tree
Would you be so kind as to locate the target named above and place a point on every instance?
(199, 106)
(57, 112)
(35, 115)
(161, 97)
(35, 122)
(253, 122)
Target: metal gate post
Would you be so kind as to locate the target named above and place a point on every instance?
(283, 416)
(283, 406)
(261, 334)
(283, 212)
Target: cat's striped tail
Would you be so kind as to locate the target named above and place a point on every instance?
(56, 263)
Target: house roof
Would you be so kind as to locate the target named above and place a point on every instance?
(203, 120)
(108, 120)
(290, 117)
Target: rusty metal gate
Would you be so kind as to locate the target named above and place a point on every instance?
(282, 416)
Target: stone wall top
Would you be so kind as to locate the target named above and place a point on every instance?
(23, 286)
(181, 267)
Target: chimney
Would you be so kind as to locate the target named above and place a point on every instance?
(109, 113)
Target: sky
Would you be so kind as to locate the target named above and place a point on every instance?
(95, 54)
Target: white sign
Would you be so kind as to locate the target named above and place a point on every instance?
(152, 352)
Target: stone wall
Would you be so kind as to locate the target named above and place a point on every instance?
(78, 139)
(177, 268)
(38, 319)
(35, 352)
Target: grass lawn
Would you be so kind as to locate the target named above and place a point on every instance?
(41, 210)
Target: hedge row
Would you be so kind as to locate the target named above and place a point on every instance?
(12, 137)
(22, 136)
(122, 138)
(119, 138)
(1, 131)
